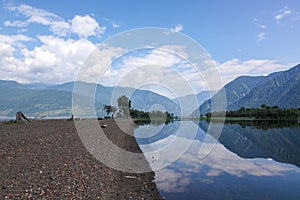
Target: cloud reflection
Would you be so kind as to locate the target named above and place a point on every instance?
(221, 161)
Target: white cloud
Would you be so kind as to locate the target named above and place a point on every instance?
(258, 24)
(86, 26)
(159, 70)
(282, 13)
(177, 28)
(262, 26)
(261, 36)
(16, 23)
(39, 58)
(165, 72)
(53, 59)
(60, 28)
(34, 15)
(6, 50)
(14, 39)
(96, 64)
(176, 183)
(56, 60)
(113, 24)
(233, 68)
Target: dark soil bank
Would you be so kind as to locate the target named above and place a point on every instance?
(46, 160)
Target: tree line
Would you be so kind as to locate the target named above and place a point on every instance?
(264, 112)
(125, 110)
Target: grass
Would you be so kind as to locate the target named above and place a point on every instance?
(10, 122)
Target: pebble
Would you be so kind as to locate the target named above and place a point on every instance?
(59, 169)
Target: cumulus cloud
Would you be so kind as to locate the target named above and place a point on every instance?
(161, 71)
(9, 65)
(56, 60)
(97, 63)
(6, 50)
(86, 26)
(53, 58)
(167, 73)
(177, 28)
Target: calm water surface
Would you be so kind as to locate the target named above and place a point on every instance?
(251, 160)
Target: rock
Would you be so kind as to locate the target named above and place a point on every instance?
(131, 177)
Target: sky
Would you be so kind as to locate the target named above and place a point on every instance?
(50, 41)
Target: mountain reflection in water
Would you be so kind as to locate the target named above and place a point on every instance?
(247, 162)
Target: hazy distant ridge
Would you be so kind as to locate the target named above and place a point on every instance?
(56, 100)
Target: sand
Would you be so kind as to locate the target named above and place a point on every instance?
(47, 160)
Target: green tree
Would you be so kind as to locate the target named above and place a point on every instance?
(110, 109)
(124, 104)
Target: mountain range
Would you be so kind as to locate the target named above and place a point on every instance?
(39, 99)
(277, 89)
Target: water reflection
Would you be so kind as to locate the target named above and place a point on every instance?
(225, 173)
(262, 139)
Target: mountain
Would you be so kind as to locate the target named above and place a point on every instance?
(279, 88)
(56, 100)
(34, 102)
(38, 86)
(191, 102)
(141, 99)
(11, 84)
(234, 91)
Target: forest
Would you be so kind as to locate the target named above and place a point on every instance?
(264, 112)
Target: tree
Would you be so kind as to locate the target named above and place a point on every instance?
(124, 104)
(110, 109)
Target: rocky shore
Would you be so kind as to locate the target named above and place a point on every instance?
(47, 160)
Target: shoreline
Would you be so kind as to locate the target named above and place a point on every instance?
(46, 159)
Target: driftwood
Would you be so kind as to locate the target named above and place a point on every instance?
(20, 117)
(71, 119)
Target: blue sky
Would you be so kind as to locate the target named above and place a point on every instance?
(242, 37)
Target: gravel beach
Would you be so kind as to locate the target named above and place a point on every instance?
(47, 160)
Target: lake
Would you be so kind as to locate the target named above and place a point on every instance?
(250, 159)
